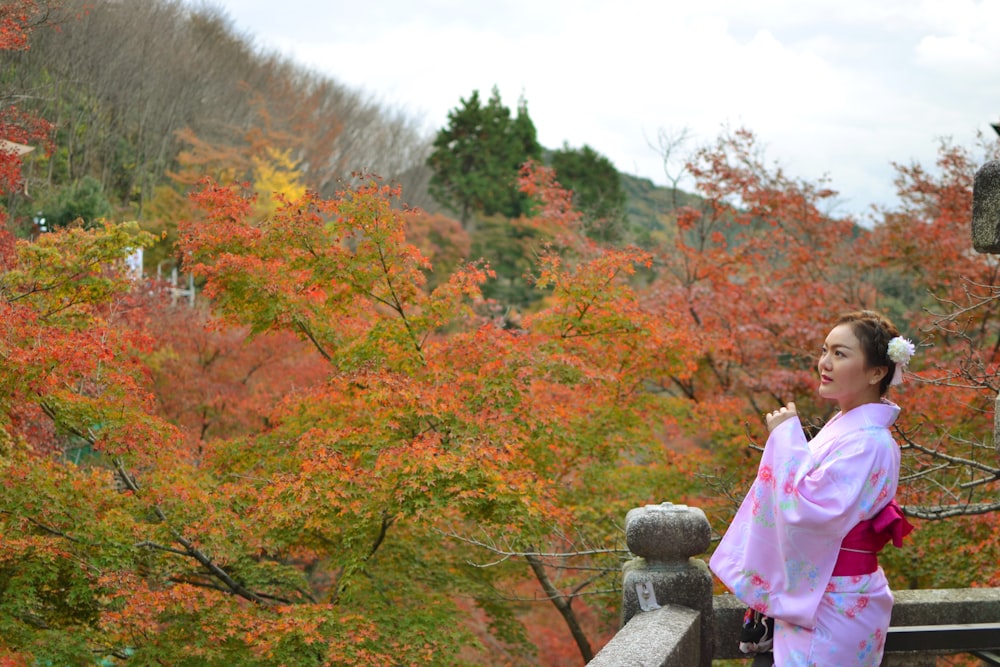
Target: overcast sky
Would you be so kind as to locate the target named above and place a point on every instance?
(839, 88)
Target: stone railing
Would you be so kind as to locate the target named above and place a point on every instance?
(667, 594)
(671, 619)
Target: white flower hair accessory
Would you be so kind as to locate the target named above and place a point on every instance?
(900, 351)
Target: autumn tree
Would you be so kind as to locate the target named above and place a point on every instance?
(442, 240)
(922, 253)
(319, 533)
(754, 255)
(19, 128)
(214, 381)
(758, 271)
(70, 376)
(476, 157)
(484, 427)
(142, 550)
(746, 288)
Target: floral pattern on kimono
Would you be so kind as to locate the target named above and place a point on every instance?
(779, 552)
(851, 625)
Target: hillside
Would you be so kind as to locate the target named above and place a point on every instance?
(648, 204)
(182, 96)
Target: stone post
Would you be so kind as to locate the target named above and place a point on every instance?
(986, 237)
(986, 209)
(664, 538)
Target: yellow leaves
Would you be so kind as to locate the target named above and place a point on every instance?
(276, 179)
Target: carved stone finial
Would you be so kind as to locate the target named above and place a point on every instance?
(667, 533)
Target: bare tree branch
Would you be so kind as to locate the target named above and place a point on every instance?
(507, 553)
(563, 604)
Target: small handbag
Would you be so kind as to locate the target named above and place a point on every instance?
(757, 633)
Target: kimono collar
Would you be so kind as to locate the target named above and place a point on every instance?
(866, 415)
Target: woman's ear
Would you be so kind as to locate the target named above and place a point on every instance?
(876, 374)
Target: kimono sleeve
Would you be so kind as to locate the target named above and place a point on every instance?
(779, 552)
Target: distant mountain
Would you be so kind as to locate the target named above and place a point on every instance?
(650, 208)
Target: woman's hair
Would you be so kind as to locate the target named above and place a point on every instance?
(874, 331)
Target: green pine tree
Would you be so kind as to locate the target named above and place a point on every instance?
(597, 190)
(477, 156)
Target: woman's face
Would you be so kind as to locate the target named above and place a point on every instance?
(844, 374)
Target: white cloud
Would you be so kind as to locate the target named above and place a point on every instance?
(954, 54)
(842, 87)
(963, 39)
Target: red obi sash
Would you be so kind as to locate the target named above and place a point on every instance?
(859, 550)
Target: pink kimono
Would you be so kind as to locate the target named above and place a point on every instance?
(779, 553)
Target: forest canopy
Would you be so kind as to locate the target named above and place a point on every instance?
(379, 434)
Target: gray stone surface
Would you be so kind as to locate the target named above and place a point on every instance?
(949, 605)
(667, 533)
(918, 607)
(665, 637)
(689, 584)
(986, 209)
(664, 538)
(728, 620)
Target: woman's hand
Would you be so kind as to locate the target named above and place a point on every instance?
(779, 415)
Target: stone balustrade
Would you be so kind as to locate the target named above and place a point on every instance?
(670, 617)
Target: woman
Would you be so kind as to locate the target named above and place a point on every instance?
(802, 546)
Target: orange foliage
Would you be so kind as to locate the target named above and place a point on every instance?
(18, 18)
(304, 473)
(216, 382)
